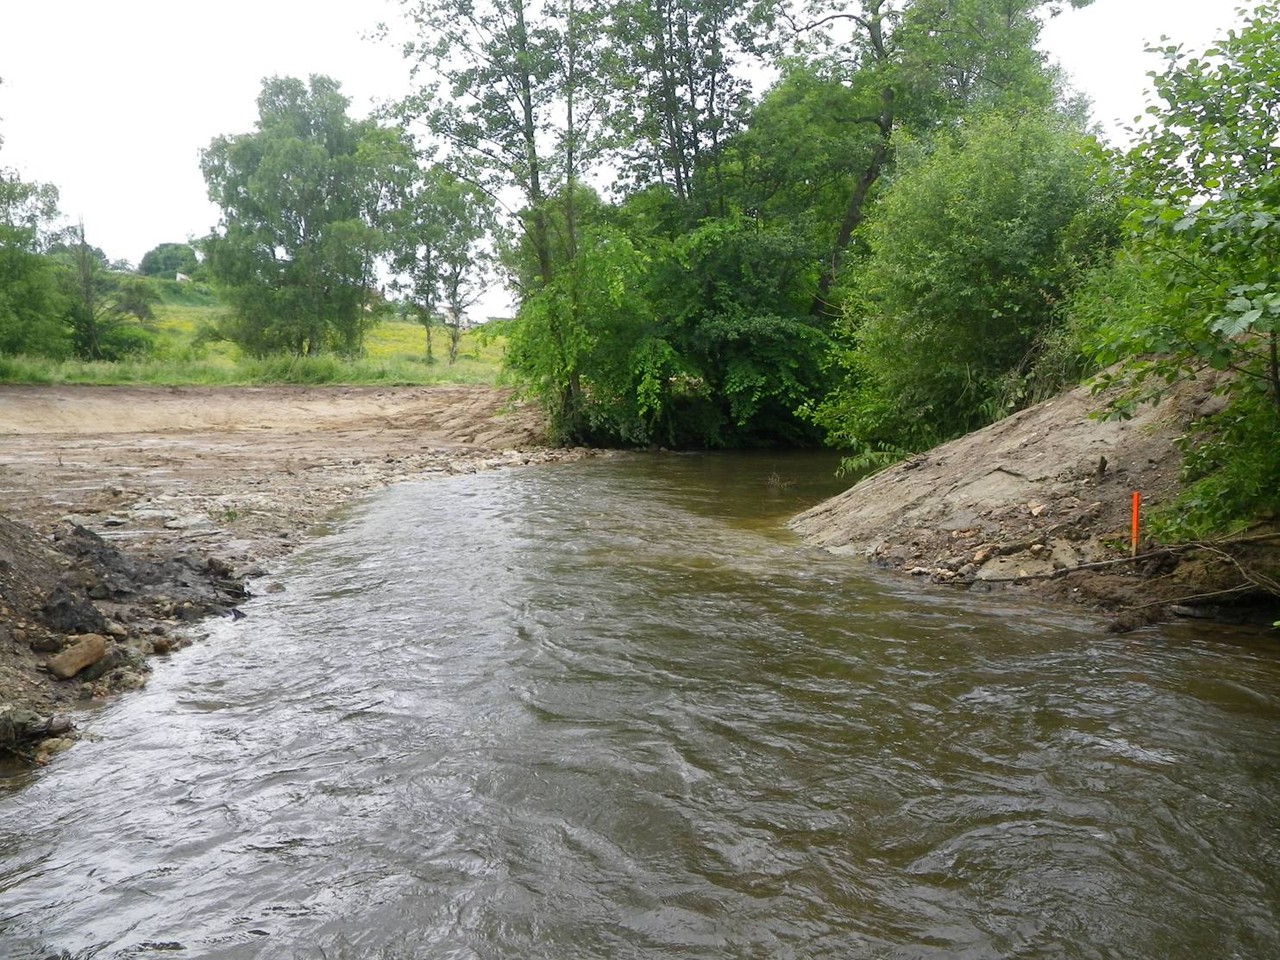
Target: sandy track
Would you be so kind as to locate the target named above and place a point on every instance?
(238, 471)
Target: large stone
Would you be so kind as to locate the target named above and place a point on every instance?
(86, 651)
(66, 609)
(119, 656)
(1014, 568)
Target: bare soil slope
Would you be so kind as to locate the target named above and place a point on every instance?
(1041, 501)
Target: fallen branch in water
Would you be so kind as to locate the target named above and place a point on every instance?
(1217, 548)
(1094, 565)
(1180, 601)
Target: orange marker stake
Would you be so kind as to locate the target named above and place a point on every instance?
(1137, 506)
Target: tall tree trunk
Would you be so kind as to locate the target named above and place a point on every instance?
(674, 147)
(856, 209)
(529, 137)
(854, 213)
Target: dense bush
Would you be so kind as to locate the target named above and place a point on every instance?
(969, 256)
(1197, 283)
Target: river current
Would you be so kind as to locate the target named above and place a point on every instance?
(614, 710)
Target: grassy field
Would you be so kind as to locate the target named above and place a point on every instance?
(395, 353)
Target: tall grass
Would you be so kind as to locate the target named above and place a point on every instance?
(219, 371)
(395, 354)
(172, 293)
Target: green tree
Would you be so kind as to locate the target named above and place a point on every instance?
(730, 237)
(106, 312)
(734, 294)
(135, 297)
(439, 233)
(168, 260)
(919, 66)
(303, 199)
(31, 302)
(1204, 235)
(513, 95)
(555, 317)
(679, 93)
(969, 255)
(701, 339)
(518, 98)
(570, 337)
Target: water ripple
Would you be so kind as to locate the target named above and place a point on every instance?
(612, 710)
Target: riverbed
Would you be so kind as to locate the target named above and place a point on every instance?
(614, 709)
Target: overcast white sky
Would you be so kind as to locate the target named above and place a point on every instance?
(112, 100)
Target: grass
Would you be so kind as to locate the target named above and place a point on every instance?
(172, 293)
(395, 354)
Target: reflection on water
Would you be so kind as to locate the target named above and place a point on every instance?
(613, 710)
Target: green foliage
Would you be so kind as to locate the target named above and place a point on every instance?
(437, 236)
(303, 207)
(919, 67)
(26, 209)
(1231, 472)
(31, 301)
(695, 308)
(1204, 241)
(168, 260)
(969, 255)
(806, 143)
(572, 342)
(517, 91)
(699, 341)
(107, 314)
(1110, 297)
(136, 297)
(1205, 218)
(679, 95)
(957, 57)
(737, 292)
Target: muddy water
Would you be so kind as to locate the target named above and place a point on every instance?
(612, 710)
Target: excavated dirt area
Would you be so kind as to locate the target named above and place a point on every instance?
(127, 513)
(1041, 502)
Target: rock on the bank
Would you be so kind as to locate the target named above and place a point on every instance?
(84, 652)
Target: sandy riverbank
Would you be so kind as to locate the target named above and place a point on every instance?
(140, 510)
(1041, 502)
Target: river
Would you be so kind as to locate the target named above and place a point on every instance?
(613, 710)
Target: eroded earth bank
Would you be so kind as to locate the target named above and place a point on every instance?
(1041, 502)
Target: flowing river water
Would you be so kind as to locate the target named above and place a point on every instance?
(613, 710)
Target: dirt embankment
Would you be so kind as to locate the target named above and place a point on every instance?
(1041, 501)
(134, 511)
